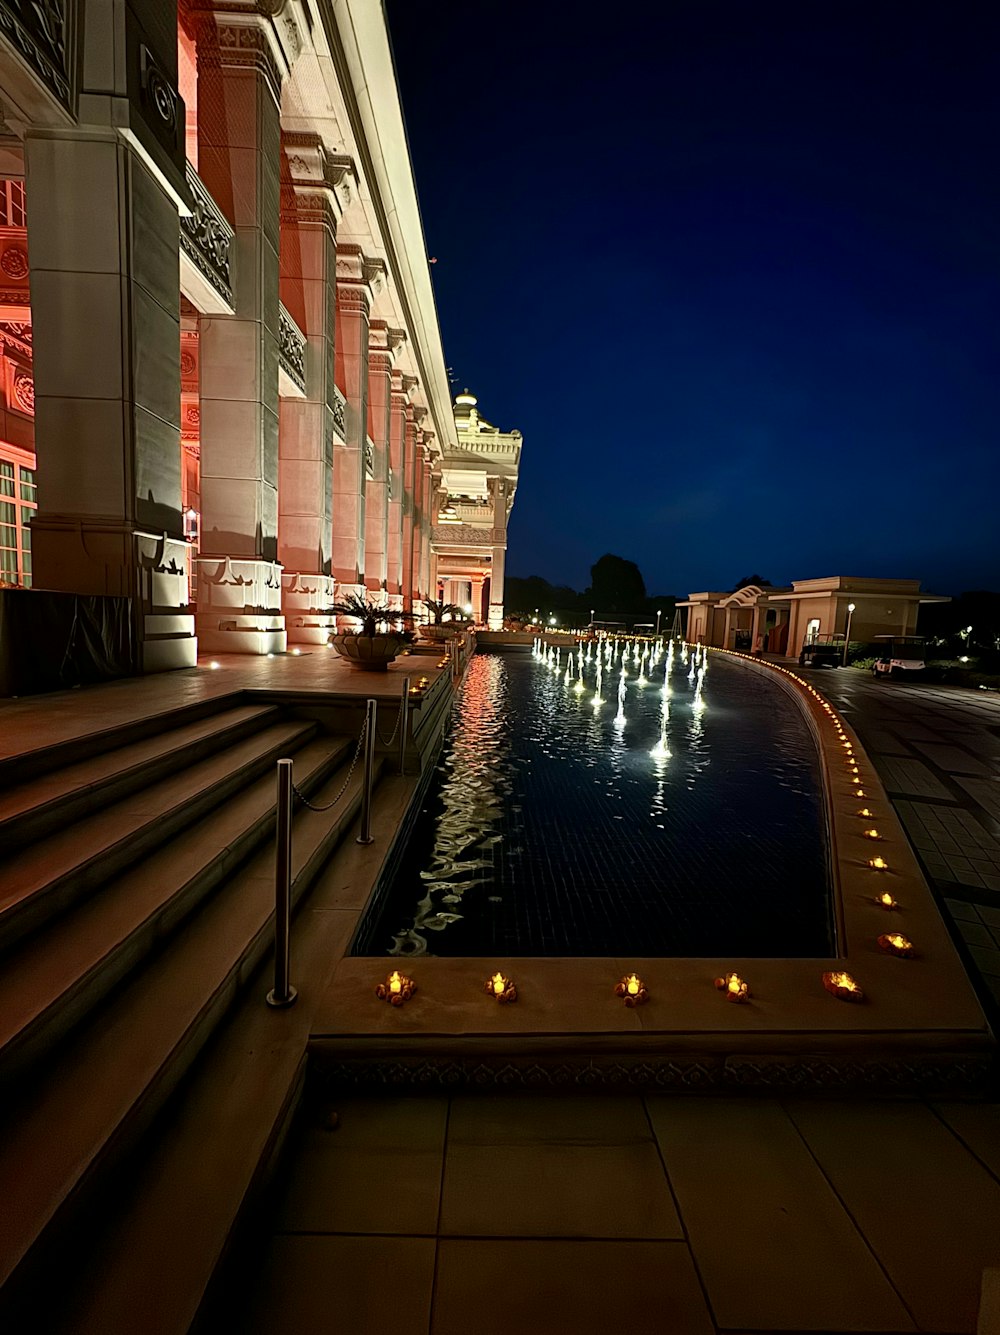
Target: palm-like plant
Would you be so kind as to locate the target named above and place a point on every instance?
(438, 610)
(375, 617)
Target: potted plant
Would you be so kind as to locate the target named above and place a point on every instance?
(438, 628)
(378, 641)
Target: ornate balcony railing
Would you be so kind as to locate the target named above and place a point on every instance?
(207, 239)
(466, 535)
(291, 349)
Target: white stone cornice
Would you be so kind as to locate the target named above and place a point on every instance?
(315, 177)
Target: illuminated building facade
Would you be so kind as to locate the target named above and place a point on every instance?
(469, 539)
(783, 620)
(221, 356)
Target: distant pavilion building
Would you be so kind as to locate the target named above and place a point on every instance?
(809, 609)
(469, 539)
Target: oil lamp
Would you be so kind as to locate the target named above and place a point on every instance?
(632, 990)
(734, 987)
(872, 834)
(865, 812)
(886, 901)
(860, 792)
(500, 987)
(842, 985)
(895, 943)
(396, 989)
(878, 864)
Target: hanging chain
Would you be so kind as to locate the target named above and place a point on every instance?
(389, 743)
(361, 742)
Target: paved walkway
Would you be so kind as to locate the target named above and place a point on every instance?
(937, 751)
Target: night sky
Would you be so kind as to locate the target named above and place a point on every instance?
(733, 270)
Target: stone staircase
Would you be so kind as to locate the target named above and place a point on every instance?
(136, 901)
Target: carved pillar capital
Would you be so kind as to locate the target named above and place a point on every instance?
(243, 38)
(316, 185)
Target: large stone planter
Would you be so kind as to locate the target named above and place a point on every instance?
(372, 653)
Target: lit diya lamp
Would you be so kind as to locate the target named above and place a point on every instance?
(860, 792)
(734, 987)
(871, 834)
(500, 987)
(842, 985)
(632, 990)
(895, 943)
(878, 864)
(396, 989)
(866, 813)
(886, 901)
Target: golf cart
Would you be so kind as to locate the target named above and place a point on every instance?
(898, 656)
(827, 652)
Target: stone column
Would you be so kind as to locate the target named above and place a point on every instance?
(498, 490)
(103, 193)
(410, 502)
(397, 490)
(313, 195)
(239, 146)
(382, 345)
(428, 571)
(357, 278)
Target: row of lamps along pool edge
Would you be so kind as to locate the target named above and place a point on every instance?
(398, 989)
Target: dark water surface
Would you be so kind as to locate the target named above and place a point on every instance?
(554, 828)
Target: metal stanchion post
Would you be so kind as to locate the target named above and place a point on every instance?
(283, 994)
(404, 714)
(365, 837)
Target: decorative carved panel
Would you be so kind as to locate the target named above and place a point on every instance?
(207, 238)
(291, 349)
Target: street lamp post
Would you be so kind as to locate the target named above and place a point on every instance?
(659, 613)
(847, 632)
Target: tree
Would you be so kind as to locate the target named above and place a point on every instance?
(616, 585)
(759, 580)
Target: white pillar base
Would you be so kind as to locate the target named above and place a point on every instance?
(496, 616)
(305, 599)
(239, 606)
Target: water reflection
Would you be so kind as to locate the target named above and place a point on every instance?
(477, 778)
(559, 828)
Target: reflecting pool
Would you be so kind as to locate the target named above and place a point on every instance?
(666, 807)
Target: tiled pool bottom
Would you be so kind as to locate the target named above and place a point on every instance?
(556, 828)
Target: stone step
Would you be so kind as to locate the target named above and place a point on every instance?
(77, 1125)
(57, 976)
(45, 880)
(23, 765)
(42, 805)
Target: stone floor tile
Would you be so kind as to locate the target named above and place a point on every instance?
(978, 1125)
(567, 1288)
(378, 1172)
(344, 1286)
(548, 1190)
(571, 1168)
(528, 1120)
(775, 1247)
(988, 960)
(915, 1192)
(976, 934)
(965, 912)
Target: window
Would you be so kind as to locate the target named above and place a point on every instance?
(12, 204)
(29, 488)
(6, 478)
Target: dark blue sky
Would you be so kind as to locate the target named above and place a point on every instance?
(732, 268)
